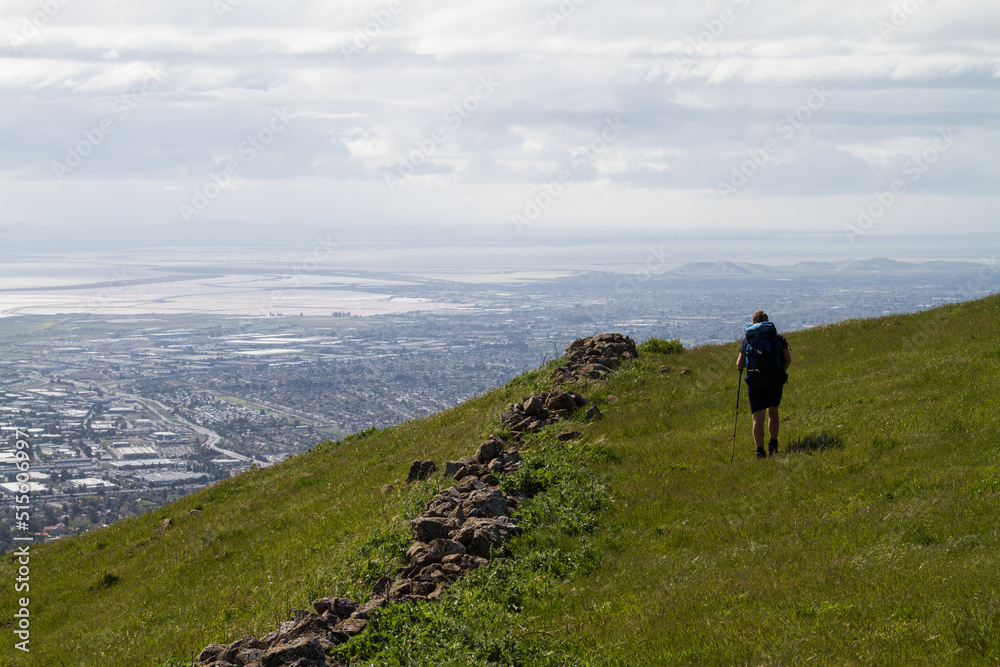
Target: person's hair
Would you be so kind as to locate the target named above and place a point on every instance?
(760, 316)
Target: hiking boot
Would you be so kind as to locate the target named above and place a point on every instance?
(772, 447)
(761, 454)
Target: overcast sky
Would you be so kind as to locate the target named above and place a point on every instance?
(852, 116)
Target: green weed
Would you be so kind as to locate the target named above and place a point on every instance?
(481, 620)
(106, 580)
(660, 346)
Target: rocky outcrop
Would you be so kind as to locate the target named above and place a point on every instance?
(540, 409)
(461, 529)
(594, 357)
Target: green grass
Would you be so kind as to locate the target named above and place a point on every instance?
(871, 538)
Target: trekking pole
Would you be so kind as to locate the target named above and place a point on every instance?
(736, 423)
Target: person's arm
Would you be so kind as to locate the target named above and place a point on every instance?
(786, 358)
(741, 362)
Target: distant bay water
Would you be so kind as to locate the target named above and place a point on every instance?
(323, 277)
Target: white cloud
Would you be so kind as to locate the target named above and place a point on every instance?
(700, 86)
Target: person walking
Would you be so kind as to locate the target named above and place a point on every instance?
(765, 355)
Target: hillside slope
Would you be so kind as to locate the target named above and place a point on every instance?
(870, 539)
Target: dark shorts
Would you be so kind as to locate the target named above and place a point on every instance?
(763, 398)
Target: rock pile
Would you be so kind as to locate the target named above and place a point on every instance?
(595, 357)
(539, 410)
(302, 642)
(461, 528)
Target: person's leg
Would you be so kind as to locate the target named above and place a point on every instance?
(772, 423)
(758, 430)
(772, 430)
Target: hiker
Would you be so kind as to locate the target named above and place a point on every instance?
(764, 353)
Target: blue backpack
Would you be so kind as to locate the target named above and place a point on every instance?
(762, 351)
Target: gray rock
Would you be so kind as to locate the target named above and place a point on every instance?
(298, 649)
(476, 469)
(370, 606)
(349, 627)
(469, 484)
(304, 662)
(594, 357)
(431, 528)
(422, 588)
(248, 657)
(448, 547)
(400, 589)
(490, 480)
(242, 646)
(339, 607)
(489, 450)
(382, 586)
(420, 469)
(560, 400)
(442, 505)
(211, 653)
(451, 569)
(431, 573)
(312, 626)
(480, 535)
(533, 406)
(426, 556)
(272, 638)
(485, 503)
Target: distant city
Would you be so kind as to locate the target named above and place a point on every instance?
(127, 411)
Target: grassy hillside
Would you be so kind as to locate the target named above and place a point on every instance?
(872, 538)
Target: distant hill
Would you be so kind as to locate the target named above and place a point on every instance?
(718, 269)
(871, 538)
(813, 269)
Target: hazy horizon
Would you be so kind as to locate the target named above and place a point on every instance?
(371, 279)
